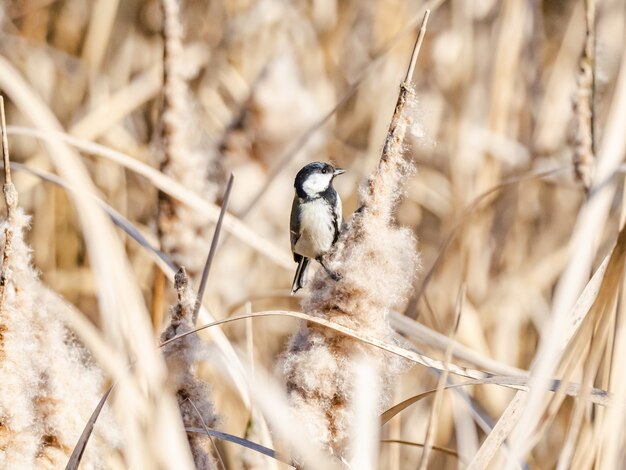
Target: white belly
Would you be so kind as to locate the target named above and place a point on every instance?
(316, 229)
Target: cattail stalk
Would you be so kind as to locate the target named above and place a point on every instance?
(10, 198)
(186, 155)
(584, 151)
(375, 262)
(49, 383)
(181, 356)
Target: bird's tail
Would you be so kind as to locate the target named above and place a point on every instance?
(300, 278)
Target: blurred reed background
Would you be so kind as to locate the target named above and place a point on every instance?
(518, 136)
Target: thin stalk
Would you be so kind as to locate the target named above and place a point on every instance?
(214, 242)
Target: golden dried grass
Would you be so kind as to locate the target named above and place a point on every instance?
(495, 205)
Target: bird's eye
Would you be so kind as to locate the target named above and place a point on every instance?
(324, 170)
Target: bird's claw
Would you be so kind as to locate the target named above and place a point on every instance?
(335, 276)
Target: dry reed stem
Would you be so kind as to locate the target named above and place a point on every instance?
(10, 198)
(137, 92)
(592, 345)
(592, 215)
(519, 238)
(157, 305)
(119, 297)
(443, 377)
(228, 356)
(174, 85)
(511, 415)
(379, 198)
(99, 35)
(583, 102)
(214, 242)
(47, 377)
(364, 442)
(185, 157)
(519, 382)
(91, 338)
(552, 121)
(173, 188)
(611, 435)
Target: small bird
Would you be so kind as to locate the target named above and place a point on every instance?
(315, 218)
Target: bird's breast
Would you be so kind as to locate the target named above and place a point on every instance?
(316, 229)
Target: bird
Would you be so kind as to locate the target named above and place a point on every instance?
(316, 215)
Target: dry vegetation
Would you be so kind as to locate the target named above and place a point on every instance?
(483, 295)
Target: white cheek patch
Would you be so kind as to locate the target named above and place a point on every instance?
(316, 183)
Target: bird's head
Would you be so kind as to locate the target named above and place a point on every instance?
(315, 178)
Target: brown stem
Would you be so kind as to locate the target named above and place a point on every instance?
(10, 197)
(385, 178)
(584, 150)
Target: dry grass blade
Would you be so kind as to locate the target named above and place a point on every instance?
(598, 396)
(419, 332)
(118, 219)
(445, 450)
(100, 30)
(443, 377)
(213, 249)
(475, 205)
(590, 345)
(593, 214)
(242, 442)
(394, 410)
(511, 415)
(79, 449)
(99, 120)
(207, 432)
(502, 168)
(164, 263)
(171, 187)
(605, 283)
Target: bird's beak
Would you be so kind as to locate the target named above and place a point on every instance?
(339, 171)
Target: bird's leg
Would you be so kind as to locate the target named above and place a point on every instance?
(333, 275)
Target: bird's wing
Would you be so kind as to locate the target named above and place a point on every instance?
(294, 225)
(337, 217)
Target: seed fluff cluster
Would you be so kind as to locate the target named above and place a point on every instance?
(181, 357)
(376, 262)
(49, 382)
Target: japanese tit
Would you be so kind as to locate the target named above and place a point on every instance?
(315, 218)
